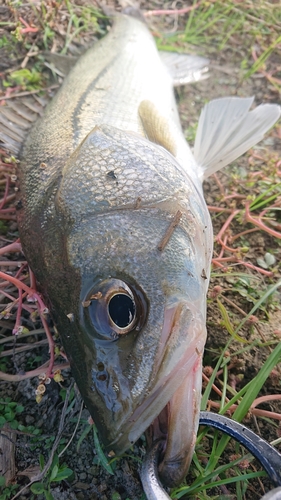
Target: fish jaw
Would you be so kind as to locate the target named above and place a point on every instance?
(183, 421)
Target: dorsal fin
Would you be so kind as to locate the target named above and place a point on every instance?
(156, 126)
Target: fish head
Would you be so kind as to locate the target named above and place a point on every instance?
(139, 252)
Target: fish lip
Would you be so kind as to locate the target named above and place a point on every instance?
(144, 415)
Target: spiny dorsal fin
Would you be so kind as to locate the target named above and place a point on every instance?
(185, 68)
(156, 126)
(16, 117)
(227, 129)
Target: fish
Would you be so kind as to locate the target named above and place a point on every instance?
(114, 225)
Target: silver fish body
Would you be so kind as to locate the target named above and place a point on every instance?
(115, 227)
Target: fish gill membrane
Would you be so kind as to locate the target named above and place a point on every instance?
(114, 225)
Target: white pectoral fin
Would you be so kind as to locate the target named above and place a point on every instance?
(227, 129)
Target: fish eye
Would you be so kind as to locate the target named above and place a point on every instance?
(115, 308)
(122, 310)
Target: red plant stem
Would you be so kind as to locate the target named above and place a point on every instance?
(276, 204)
(31, 292)
(28, 28)
(220, 186)
(20, 270)
(220, 209)
(242, 263)
(222, 249)
(265, 413)
(16, 282)
(9, 198)
(257, 222)
(13, 247)
(12, 263)
(226, 224)
(14, 302)
(255, 411)
(7, 210)
(214, 387)
(263, 399)
(218, 264)
(233, 238)
(225, 247)
(255, 268)
(235, 196)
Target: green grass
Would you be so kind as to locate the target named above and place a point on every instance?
(215, 26)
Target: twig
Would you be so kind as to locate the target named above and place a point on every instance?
(27, 347)
(170, 230)
(74, 432)
(23, 335)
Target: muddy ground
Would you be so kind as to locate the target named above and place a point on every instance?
(89, 479)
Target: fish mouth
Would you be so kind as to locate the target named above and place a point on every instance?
(171, 407)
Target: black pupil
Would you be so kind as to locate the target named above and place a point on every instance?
(122, 310)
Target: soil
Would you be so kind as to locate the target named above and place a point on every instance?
(89, 479)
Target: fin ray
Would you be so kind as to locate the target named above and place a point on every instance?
(16, 118)
(157, 127)
(227, 129)
(185, 68)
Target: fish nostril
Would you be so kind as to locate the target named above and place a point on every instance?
(102, 373)
(122, 310)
